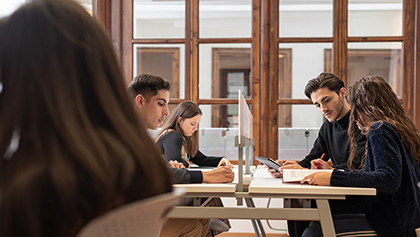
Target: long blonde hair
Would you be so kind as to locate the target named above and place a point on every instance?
(71, 145)
(184, 110)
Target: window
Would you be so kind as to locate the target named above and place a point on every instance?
(8, 7)
(270, 49)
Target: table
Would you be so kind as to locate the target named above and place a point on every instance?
(263, 185)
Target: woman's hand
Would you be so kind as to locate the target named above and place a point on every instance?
(274, 173)
(318, 178)
(225, 162)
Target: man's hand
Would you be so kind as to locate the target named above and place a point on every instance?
(225, 162)
(218, 175)
(290, 165)
(175, 164)
(322, 164)
(318, 178)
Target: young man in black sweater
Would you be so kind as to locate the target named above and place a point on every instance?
(328, 94)
(151, 95)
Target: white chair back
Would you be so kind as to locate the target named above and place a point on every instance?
(143, 218)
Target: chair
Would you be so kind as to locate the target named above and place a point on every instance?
(143, 218)
(217, 225)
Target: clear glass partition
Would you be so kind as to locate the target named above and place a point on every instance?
(159, 19)
(225, 18)
(306, 18)
(378, 18)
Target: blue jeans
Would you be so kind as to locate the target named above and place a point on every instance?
(354, 224)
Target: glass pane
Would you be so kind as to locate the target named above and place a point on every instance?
(218, 129)
(8, 7)
(378, 17)
(225, 116)
(296, 141)
(298, 63)
(166, 60)
(306, 18)
(225, 19)
(225, 68)
(159, 19)
(382, 59)
(86, 4)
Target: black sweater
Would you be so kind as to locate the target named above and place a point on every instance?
(171, 145)
(334, 142)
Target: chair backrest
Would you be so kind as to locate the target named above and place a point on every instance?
(143, 218)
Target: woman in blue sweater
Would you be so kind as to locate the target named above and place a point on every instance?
(391, 164)
(179, 138)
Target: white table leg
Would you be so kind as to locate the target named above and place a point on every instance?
(325, 218)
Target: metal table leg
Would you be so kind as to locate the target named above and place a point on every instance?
(255, 223)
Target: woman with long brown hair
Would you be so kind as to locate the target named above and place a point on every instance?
(391, 163)
(71, 144)
(179, 137)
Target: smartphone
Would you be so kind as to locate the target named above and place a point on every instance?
(268, 161)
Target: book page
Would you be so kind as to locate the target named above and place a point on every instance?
(296, 175)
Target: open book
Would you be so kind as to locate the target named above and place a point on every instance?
(296, 175)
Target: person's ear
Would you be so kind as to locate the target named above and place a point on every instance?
(140, 101)
(179, 120)
(343, 92)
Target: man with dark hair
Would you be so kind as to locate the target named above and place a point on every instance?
(153, 108)
(151, 95)
(328, 94)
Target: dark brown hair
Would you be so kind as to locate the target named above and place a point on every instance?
(184, 110)
(325, 79)
(148, 85)
(373, 100)
(71, 144)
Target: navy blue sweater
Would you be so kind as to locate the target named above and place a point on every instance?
(390, 168)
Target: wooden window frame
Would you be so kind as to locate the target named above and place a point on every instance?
(116, 18)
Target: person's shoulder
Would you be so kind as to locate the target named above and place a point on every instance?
(380, 127)
(172, 134)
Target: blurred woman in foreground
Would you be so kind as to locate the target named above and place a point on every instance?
(71, 145)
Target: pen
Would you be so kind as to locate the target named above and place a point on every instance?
(322, 157)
